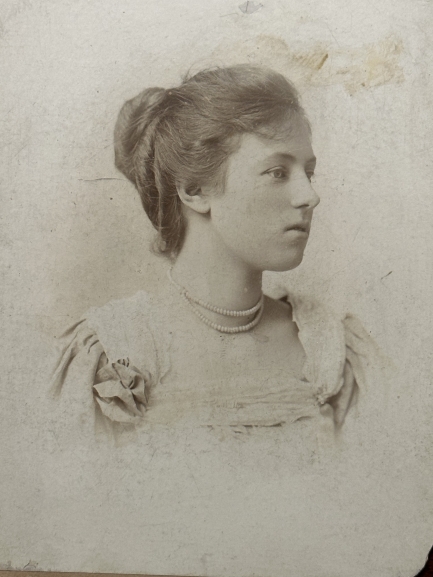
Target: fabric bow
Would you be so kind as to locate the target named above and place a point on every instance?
(122, 391)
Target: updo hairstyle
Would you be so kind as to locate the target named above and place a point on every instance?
(184, 135)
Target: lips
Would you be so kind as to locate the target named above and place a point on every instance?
(300, 226)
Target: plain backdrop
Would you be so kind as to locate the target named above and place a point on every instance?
(73, 233)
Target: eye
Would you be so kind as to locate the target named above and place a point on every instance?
(278, 173)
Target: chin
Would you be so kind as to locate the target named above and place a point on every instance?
(285, 264)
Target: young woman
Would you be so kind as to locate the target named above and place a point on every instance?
(223, 164)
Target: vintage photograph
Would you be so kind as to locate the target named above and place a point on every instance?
(224, 167)
(217, 296)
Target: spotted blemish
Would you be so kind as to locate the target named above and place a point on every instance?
(322, 64)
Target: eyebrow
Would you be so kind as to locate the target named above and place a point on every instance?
(286, 156)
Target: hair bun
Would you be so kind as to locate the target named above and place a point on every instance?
(136, 117)
(185, 135)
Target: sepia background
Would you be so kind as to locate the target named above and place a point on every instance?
(73, 233)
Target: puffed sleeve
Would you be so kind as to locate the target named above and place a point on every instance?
(95, 393)
(364, 355)
(367, 371)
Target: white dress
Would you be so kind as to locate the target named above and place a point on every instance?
(115, 358)
(235, 481)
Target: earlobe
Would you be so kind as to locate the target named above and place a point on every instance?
(194, 198)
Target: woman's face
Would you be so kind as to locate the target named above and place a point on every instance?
(264, 214)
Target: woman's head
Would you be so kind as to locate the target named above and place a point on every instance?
(182, 138)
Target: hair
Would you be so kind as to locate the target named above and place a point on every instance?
(184, 135)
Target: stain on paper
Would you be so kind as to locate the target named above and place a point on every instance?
(314, 60)
(323, 64)
(377, 66)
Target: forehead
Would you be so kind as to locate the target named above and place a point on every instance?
(291, 140)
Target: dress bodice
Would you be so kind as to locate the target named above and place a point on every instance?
(114, 362)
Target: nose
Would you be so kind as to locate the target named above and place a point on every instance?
(303, 194)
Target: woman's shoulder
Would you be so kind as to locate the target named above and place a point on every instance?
(120, 310)
(130, 327)
(310, 312)
(112, 355)
(332, 340)
(304, 308)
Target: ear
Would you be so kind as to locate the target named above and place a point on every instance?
(196, 199)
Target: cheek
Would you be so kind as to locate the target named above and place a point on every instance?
(265, 208)
(248, 212)
(254, 201)
(252, 228)
(255, 206)
(252, 215)
(234, 208)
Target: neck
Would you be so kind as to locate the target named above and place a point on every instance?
(210, 272)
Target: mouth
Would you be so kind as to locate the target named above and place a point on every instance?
(300, 227)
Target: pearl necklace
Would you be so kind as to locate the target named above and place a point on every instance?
(258, 309)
